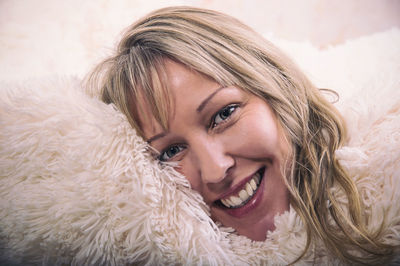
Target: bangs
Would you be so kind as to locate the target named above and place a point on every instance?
(147, 88)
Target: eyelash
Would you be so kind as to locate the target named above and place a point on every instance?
(213, 124)
(169, 148)
(232, 108)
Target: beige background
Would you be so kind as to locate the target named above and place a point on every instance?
(41, 37)
(322, 22)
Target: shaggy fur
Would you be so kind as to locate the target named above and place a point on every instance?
(78, 187)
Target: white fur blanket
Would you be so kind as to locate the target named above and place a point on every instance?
(77, 187)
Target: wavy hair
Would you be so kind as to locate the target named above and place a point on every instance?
(231, 53)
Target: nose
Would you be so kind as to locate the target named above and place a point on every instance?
(214, 161)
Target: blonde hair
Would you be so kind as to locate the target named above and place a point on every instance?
(231, 53)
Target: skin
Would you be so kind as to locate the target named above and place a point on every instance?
(220, 137)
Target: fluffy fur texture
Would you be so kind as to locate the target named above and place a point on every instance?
(77, 186)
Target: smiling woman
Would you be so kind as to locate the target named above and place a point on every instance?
(237, 118)
(226, 141)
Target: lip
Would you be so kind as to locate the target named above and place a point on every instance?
(252, 204)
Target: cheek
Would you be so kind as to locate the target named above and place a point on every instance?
(257, 134)
(188, 169)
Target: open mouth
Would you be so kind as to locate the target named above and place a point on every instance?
(245, 194)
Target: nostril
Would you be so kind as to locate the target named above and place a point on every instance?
(211, 156)
(217, 169)
(216, 173)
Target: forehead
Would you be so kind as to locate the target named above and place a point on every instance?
(184, 83)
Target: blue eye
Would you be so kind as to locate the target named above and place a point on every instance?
(222, 115)
(170, 152)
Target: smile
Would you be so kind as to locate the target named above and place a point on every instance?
(245, 194)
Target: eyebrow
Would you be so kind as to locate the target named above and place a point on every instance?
(206, 100)
(153, 138)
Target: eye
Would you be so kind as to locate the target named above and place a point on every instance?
(223, 115)
(170, 152)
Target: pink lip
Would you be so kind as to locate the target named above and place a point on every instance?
(251, 205)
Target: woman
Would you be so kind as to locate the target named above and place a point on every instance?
(242, 123)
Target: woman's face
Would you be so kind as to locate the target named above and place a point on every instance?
(229, 146)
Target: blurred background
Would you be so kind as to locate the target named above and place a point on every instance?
(42, 37)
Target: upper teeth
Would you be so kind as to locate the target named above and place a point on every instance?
(244, 195)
